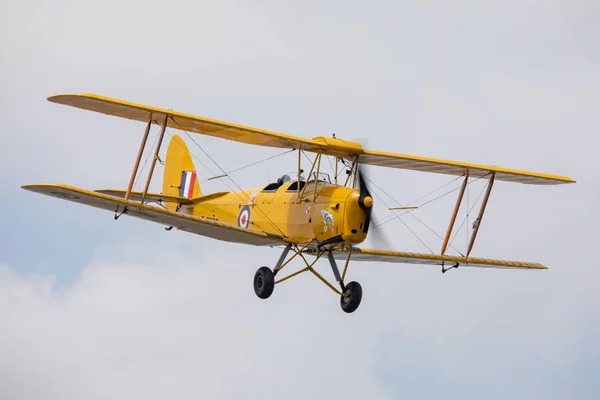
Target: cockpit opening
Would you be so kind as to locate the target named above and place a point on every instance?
(272, 187)
(293, 177)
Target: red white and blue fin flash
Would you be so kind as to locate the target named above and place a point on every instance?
(244, 217)
(188, 181)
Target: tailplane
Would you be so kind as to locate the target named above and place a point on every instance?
(180, 177)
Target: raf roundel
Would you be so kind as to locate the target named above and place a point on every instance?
(244, 217)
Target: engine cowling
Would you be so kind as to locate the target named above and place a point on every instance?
(337, 216)
(327, 214)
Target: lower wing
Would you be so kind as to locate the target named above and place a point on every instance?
(431, 259)
(179, 220)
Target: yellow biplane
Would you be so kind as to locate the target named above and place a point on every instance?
(310, 216)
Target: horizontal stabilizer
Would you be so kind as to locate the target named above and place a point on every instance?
(137, 196)
(160, 198)
(431, 259)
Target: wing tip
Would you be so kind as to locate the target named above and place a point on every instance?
(59, 98)
(560, 179)
(32, 186)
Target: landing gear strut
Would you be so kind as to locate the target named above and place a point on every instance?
(351, 293)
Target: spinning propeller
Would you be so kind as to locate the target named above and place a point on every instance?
(365, 202)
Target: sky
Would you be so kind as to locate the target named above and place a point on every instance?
(95, 308)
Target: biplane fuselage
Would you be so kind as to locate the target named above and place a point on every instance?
(332, 215)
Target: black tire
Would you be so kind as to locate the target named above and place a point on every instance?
(350, 304)
(264, 282)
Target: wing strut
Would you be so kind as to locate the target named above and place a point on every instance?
(454, 214)
(477, 222)
(160, 139)
(137, 161)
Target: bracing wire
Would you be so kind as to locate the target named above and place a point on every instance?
(405, 224)
(257, 162)
(428, 202)
(414, 216)
(433, 191)
(398, 216)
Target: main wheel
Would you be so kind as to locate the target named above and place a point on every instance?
(354, 291)
(264, 282)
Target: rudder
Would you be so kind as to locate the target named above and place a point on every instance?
(180, 178)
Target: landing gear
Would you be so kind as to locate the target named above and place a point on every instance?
(264, 282)
(351, 301)
(350, 294)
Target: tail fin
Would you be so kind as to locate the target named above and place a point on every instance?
(180, 177)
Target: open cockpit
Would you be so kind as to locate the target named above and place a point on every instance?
(290, 182)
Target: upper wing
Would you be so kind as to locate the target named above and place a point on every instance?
(329, 146)
(184, 222)
(426, 164)
(430, 259)
(187, 122)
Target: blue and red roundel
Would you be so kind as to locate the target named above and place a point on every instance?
(244, 217)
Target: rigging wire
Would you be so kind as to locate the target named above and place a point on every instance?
(430, 201)
(414, 216)
(422, 197)
(405, 224)
(256, 163)
(396, 216)
(433, 191)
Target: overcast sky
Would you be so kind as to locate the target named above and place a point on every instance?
(93, 308)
